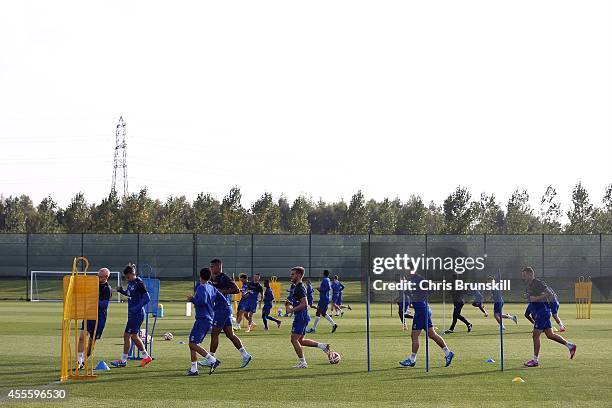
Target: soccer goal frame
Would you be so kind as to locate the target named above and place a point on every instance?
(34, 284)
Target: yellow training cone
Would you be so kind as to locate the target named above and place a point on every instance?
(518, 380)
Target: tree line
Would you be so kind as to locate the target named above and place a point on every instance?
(460, 213)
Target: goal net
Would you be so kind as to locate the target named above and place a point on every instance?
(47, 286)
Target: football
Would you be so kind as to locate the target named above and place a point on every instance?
(334, 358)
(168, 336)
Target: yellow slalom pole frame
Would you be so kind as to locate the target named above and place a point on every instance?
(583, 290)
(81, 294)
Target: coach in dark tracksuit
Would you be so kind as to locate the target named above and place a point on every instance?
(458, 302)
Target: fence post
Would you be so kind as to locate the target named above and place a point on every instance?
(138, 248)
(368, 304)
(543, 275)
(195, 259)
(310, 254)
(27, 268)
(252, 254)
(600, 266)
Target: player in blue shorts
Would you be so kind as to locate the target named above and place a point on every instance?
(309, 293)
(478, 301)
(539, 295)
(498, 303)
(138, 297)
(104, 297)
(205, 299)
(298, 305)
(337, 288)
(528, 314)
(254, 293)
(554, 310)
(324, 293)
(422, 321)
(268, 301)
(242, 302)
(222, 321)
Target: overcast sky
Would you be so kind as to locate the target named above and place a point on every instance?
(319, 98)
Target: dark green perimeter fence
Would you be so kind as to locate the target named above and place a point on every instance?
(175, 258)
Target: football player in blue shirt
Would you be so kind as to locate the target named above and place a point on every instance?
(242, 302)
(539, 295)
(222, 321)
(138, 297)
(254, 292)
(268, 300)
(339, 300)
(478, 302)
(309, 293)
(422, 321)
(337, 288)
(324, 294)
(104, 297)
(498, 303)
(205, 299)
(298, 305)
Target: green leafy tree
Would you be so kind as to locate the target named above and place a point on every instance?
(265, 216)
(458, 213)
(519, 215)
(327, 218)
(602, 217)
(138, 212)
(76, 218)
(550, 212)
(174, 216)
(106, 217)
(234, 218)
(412, 218)
(434, 219)
(46, 218)
(206, 215)
(356, 218)
(298, 216)
(383, 216)
(284, 208)
(581, 212)
(487, 215)
(17, 211)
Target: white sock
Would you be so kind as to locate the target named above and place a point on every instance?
(413, 356)
(317, 318)
(446, 351)
(194, 366)
(144, 353)
(303, 360)
(569, 345)
(322, 346)
(124, 357)
(329, 319)
(243, 352)
(81, 358)
(211, 358)
(535, 358)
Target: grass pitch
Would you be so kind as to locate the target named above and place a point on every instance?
(30, 347)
